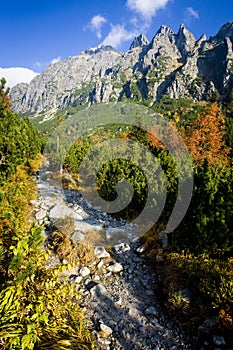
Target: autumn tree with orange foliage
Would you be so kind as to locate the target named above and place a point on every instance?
(209, 216)
(205, 137)
(153, 137)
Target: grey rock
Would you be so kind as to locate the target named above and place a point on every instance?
(62, 211)
(73, 272)
(86, 227)
(149, 292)
(140, 250)
(159, 259)
(151, 310)
(100, 252)
(118, 300)
(134, 312)
(115, 268)
(85, 271)
(137, 259)
(98, 290)
(186, 295)
(106, 329)
(115, 234)
(207, 326)
(121, 248)
(78, 279)
(185, 40)
(219, 341)
(77, 237)
(60, 83)
(158, 325)
(96, 278)
(162, 239)
(105, 342)
(41, 214)
(100, 264)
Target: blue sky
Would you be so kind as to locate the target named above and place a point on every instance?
(38, 32)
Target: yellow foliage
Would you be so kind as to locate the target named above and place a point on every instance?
(37, 309)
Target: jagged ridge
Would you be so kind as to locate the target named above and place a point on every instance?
(174, 64)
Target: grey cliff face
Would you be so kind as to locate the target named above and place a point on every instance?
(174, 64)
(139, 41)
(185, 41)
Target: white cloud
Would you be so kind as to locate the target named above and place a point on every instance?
(55, 60)
(38, 64)
(191, 14)
(17, 75)
(117, 35)
(96, 24)
(146, 8)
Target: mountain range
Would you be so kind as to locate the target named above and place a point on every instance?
(173, 64)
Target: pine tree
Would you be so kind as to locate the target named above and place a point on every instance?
(19, 141)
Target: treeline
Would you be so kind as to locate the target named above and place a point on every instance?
(36, 309)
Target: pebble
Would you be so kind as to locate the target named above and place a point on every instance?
(78, 279)
(100, 264)
(151, 310)
(117, 300)
(159, 259)
(115, 268)
(107, 330)
(122, 247)
(140, 250)
(104, 342)
(100, 252)
(98, 290)
(41, 214)
(85, 271)
(219, 341)
(96, 278)
(157, 325)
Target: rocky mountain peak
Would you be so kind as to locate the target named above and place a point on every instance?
(163, 44)
(164, 30)
(225, 31)
(201, 40)
(185, 40)
(185, 34)
(139, 41)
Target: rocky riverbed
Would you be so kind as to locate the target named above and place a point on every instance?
(117, 288)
